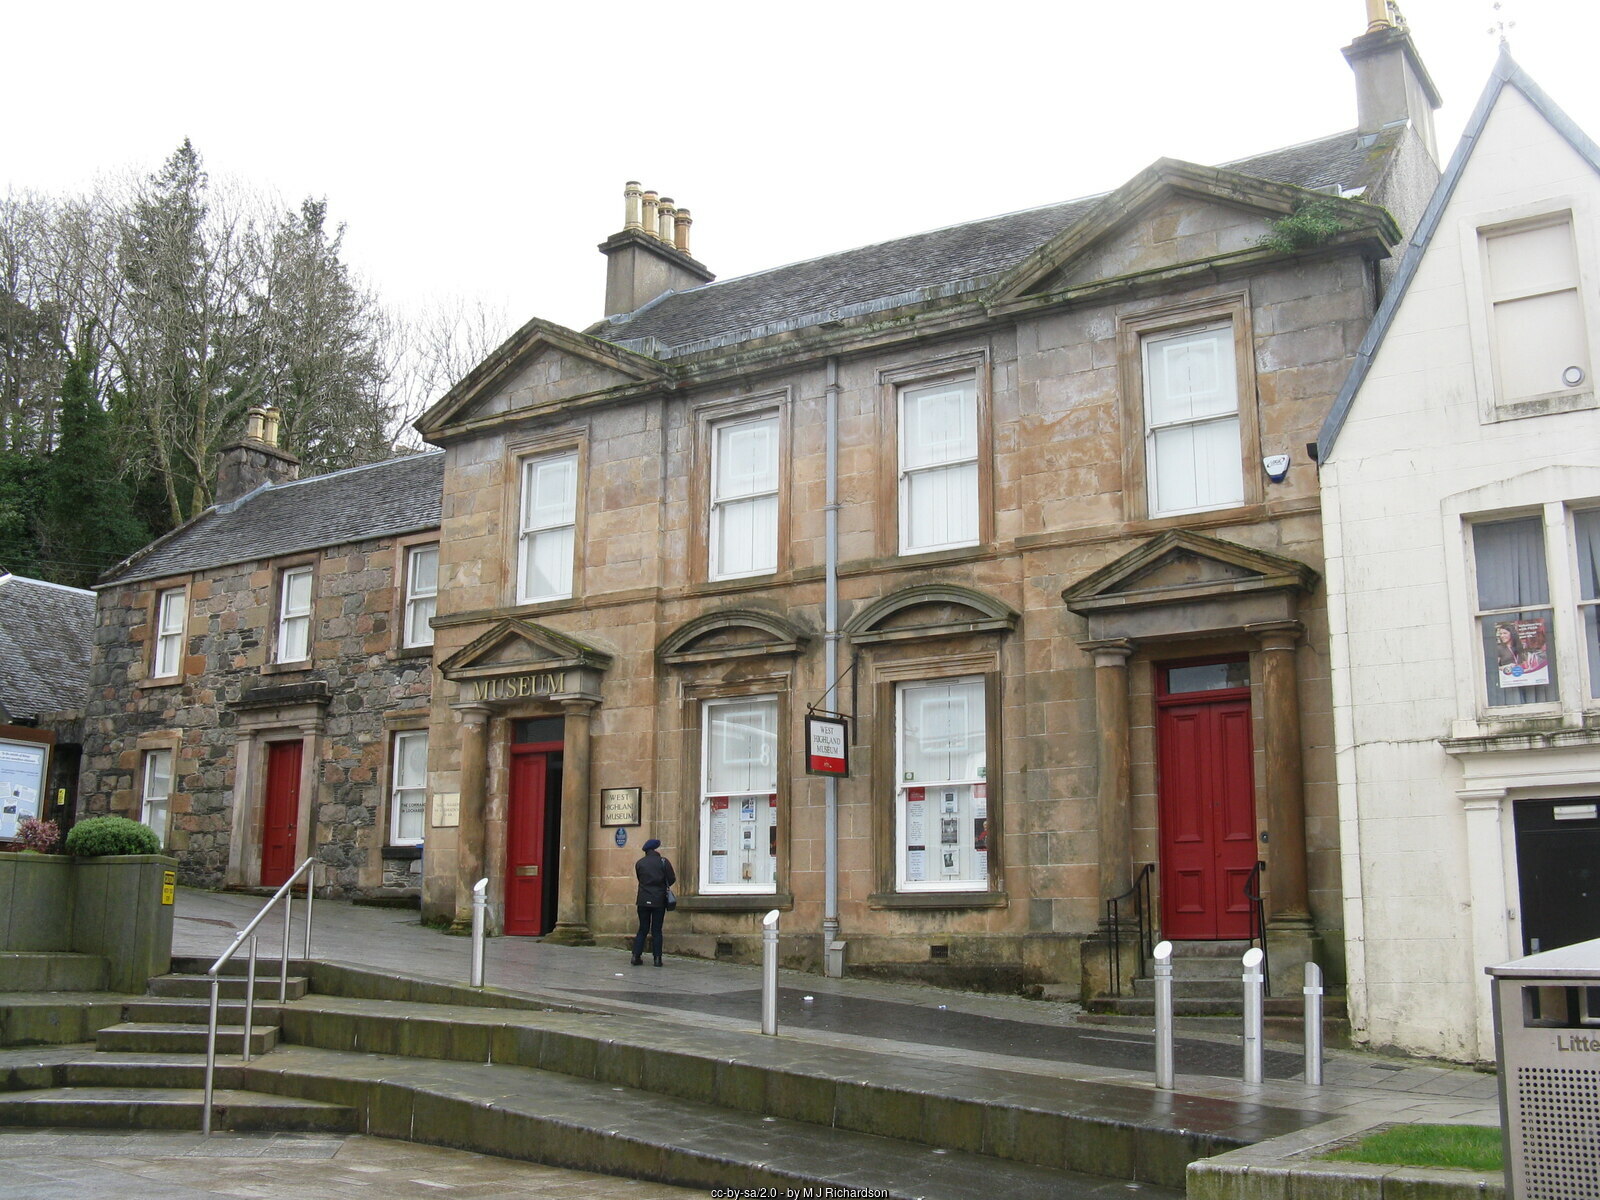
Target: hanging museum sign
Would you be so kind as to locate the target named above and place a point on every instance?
(826, 742)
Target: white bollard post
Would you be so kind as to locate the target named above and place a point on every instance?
(1313, 994)
(1164, 1072)
(480, 907)
(1253, 980)
(769, 973)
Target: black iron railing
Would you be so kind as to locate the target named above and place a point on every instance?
(1141, 920)
(1258, 922)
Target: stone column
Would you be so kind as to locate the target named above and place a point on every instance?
(572, 900)
(1287, 900)
(1113, 807)
(474, 787)
(1486, 810)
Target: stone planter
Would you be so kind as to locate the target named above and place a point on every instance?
(111, 907)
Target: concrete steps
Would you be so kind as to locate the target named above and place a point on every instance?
(53, 971)
(170, 1037)
(147, 1107)
(230, 987)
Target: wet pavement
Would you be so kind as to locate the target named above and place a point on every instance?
(920, 1024)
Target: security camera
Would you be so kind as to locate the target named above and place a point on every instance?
(1277, 466)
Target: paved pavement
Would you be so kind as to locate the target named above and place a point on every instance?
(81, 1164)
(920, 1024)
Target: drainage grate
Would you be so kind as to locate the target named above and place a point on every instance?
(938, 951)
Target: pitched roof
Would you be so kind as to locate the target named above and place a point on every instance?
(46, 631)
(925, 266)
(401, 495)
(1505, 72)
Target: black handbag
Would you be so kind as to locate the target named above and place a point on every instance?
(672, 899)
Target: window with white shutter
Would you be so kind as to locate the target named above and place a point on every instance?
(744, 498)
(549, 527)
(294, 615)
(1192, 450)
(939, 506)
(1540, 345)
(172, 610)
(422, 592)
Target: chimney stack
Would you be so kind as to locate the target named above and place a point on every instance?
(255, 459)
(1392, 85)
(650, 257)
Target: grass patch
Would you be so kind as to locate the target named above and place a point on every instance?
(1469, 1147)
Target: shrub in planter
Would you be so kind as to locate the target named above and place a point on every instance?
(42, 837)
(100, 836)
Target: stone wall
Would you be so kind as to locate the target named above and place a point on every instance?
(369, 684)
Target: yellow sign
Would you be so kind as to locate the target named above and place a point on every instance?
(169, 885)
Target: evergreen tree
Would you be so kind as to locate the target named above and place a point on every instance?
(19, 511)
(86, 519)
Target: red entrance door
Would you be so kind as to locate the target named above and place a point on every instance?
(1208, 822)
(532, 839)
(282, 816)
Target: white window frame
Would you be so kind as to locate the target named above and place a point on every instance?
(1498, 616)
(970, 795)
(1587, 611)
(172, 616)
(1498, 296)
(294, 621)
(911, 539)
(421, 603)
(155, 807)
(402, 787)
(1153, 429)
(763, 808)
(721, 505)
(532, 529)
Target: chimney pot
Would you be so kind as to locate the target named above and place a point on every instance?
(269, 434)
(650, 220)
(680, 230)
(666, 211)
(630, 204)
(1378, 15)
(255, 420)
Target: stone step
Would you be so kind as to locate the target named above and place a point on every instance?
(56, 1018)
(167, 1037)
(132, 1069)
(522, 1112)
(1194, 989)
(230, 987)
(174, 1011)
(171, 1108)
(52, 971)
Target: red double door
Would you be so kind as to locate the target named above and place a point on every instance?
(1206, 797)
(281, 816)
(533, 839)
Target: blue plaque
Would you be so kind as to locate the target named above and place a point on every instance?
(622, 837)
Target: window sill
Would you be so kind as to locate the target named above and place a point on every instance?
(414, 651)
(402, 852)
(938, 900)
(160, 681)
(286, 668)
(764, 902)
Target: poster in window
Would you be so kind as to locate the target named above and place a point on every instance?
(980, 799)
(747, 808)
(916, 863)
(719, 866)
(1522, 653)
(949, 805)
(947, 831)
(21, 782)
(719, 824)
(980, 834)
(915, 835)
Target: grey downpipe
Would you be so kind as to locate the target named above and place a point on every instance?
(832, 959)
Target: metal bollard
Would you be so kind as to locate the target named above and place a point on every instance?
(480, 909)
(1253, 980)
(1313, 994)
(1164, 1074)
(769, 973)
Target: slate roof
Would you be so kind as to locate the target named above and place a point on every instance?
(924, 266)
(400, 495)
(46, 631)
(1505, 73)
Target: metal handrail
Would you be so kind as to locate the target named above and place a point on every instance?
(1144, 921)
(1258, 921)
(284, 894)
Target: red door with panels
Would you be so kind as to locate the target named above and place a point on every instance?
(281, 819)
(1206, 796)
(532, 839)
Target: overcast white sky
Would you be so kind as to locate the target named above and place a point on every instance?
(479, 149)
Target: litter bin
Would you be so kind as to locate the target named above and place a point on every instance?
(1547, 1037)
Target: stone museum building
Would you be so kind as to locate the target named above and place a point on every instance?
(1028, 501)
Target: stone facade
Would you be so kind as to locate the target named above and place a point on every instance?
(1068, 645)
(226, 700)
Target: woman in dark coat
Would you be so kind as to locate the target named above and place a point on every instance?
(655, 877)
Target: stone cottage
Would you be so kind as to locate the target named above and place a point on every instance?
(1027, 501)
(261, 677)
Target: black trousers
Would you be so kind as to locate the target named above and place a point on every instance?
(649, 926)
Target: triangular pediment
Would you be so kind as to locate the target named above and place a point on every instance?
(512, 646)
(1181, 567)
(541, 364)
(731, 633)
(1171, 219)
